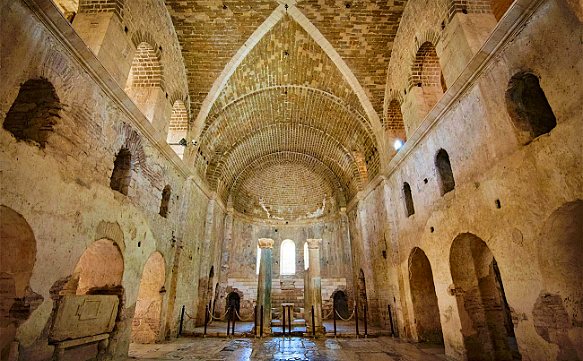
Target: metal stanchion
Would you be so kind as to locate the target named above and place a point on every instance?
(283, 321)
(289, 319)
(181, 320)
(255, 320)
(206, 319)
(234, 315)
(356, 317)
(334, 313)
(228, 321)
(365, 322)
(313, 323)
(261, 323)
(391, 322)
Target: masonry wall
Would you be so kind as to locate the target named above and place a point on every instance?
(63, 190)
(505, 192)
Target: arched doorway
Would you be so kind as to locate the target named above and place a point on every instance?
(234, 300)
(362, 299)
(560, 257)
(147, 318)
(425, 306)
(341, 304)
(484, 312)
(17, 258)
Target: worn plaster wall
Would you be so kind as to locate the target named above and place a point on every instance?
(63, 192)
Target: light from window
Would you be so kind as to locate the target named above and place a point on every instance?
(258, 259)
(398, 144)
(306, 257)
(287, 259)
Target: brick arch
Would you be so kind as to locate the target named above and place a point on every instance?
(394, 117)
(102, 6)
(146, 70)
(132, 141)
(425, 69)
(496, 7)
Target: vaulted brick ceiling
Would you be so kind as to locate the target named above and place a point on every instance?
(287, 103)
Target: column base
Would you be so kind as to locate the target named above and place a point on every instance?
(320, 330)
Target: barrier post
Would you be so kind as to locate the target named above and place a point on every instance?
(283, 321)
(334, 314)
(356, 317)
(206, 319)
(365, 322)
(228, 321)
(181, 320)
(313, 323)
(289, 319)
(391, 322)
(234, 319)
(255, 320)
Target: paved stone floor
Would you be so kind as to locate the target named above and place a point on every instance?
(288, 349)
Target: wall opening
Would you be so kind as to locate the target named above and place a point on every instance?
(484, 312)
(394, 125)
(17, 258)
(287, 259)
(122, 171)
(409, 207)
(165, 202)
(34, 113)
(557, 312)
(147, 317)
(425, 306)
(99, 269)
(178, 128)
(306, 256)
(258, 260)
(528, 107)
(145, 79)
(234, 300)
(445, 173)
(341, 304)
(426, 74)
(69, 8)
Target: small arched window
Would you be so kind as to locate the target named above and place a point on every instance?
(165, 201)
(287, 259)
(443, 166)
(528, 107)
(409, 207)
(121, 176)
(178, 128)
(306, 256)
(34, 112)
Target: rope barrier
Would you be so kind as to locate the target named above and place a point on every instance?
(241, 318)
(345, 319)
(328, 315)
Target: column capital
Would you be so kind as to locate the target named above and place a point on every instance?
(265, 243)
(314, 243)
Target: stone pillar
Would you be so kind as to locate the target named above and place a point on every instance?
(314, 288)
(264, 286)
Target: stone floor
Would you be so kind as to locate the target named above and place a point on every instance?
(288, 349)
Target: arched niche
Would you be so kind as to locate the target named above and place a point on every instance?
(487, 327)
(17, 259)
(425, 306)
(557, 313)
(178, 128)
(147, 317)
(444, 172)
(100, 268)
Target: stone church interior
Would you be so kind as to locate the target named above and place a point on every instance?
(334, 179)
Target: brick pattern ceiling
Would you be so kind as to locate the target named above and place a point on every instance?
(287, 101)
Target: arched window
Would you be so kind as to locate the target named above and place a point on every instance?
(121, 176)
(178, 128)
(528, 107)
(145, 80)
(394, 126)
(165, 201)
(306, 256)
(443, 166)
(258, 259)
(426, 74)
(287, 259)
(408, 199)
(34, 112)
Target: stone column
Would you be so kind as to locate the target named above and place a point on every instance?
(314, 288)
(264, 286)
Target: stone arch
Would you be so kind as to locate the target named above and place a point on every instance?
(34, 113)
(17, 259)
(444, 172)
(178, 128)
(147, 320)
(557, 312)
(425, 306)
(234, 300)
(100, 268)
(485, 317)
(340, 303)
(426, 76)
(528, 107)
(394, 124)
(165, 201)
(409, 206)
(121, 175)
